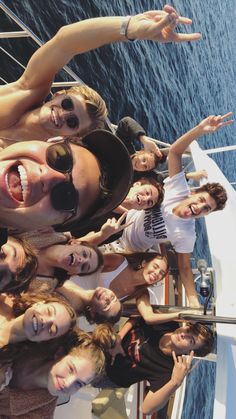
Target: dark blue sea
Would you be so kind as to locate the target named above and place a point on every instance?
(167, 88)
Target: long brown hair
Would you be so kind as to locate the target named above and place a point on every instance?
(135, 261)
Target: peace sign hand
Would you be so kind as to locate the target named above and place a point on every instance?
(113, 226)
(159, 25)
(214, 122)
(181, 368)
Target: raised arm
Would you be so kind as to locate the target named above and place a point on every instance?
(32, 87)
(210, 124)
(186, 276)
(77, 38)
(110, 227)
(158, 399)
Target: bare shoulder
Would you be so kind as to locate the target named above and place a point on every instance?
(112, 261)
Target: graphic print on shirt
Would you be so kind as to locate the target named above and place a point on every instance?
(135, 346)
(154, 224)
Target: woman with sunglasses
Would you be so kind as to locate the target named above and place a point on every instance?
(42, 373)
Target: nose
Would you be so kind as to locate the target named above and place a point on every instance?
(69, 381)
(50, 177)
(9, 259)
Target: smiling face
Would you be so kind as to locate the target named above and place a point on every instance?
(26, 182)
(183, 340)
(105, 303)
(45, 321)
(65, 114)
(196, 206)
(69, 374)
(141, 197)
(77, 259)
(154, 270)
(12, 259)
(143, 161)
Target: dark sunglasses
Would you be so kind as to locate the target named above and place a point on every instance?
(72, 121)
(64, 196)
(3, 236)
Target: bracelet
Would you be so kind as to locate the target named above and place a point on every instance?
(124, 27)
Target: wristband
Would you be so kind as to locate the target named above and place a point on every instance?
(124, 28)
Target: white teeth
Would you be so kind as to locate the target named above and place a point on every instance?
(6, 179)
(24, 181)
(55, 119)
(72, 259)
(35, 324)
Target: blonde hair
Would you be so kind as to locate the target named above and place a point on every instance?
(96, 106)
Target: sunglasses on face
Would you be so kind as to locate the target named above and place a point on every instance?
(64, 196)
(72, 121)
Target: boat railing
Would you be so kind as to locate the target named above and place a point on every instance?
(26, 32)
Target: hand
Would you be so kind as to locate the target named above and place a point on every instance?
(150, 146)
(213, 122)
(181, 367)
(113, 226)
(5, 375)
(159, 25)
(117, 349)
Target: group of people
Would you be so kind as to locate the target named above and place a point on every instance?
(68, 184)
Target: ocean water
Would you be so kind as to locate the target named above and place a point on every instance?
(167, 88)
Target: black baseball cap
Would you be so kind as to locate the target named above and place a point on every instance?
(117, 175)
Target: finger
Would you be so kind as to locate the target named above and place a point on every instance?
(227, 115)
(122, 218)
(127, 224)
(185, 37)
(181, 19)
(174, 357)
(169, 20)
(112, 360)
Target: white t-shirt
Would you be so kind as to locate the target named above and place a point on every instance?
(159, 225)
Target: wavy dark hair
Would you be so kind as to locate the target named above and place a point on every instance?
(99, 318)
(62, 275)
(21, 280)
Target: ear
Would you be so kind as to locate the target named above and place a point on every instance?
(137, 183)
(143, 263)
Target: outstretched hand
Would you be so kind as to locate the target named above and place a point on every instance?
(181, 368)
(159, 25)
(213, 122)
(113, 226)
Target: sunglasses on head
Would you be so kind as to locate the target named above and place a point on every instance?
(64, 196)
(72, 121)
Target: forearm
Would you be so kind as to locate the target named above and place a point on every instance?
(126, 328)
(89, 34)
(158, 318)
(147, 313)
(187, 279)
(182, 143)
(155, 401)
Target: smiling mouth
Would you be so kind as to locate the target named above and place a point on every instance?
(17, 182)
(55, 118)
(72, 260)
(35, 324)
